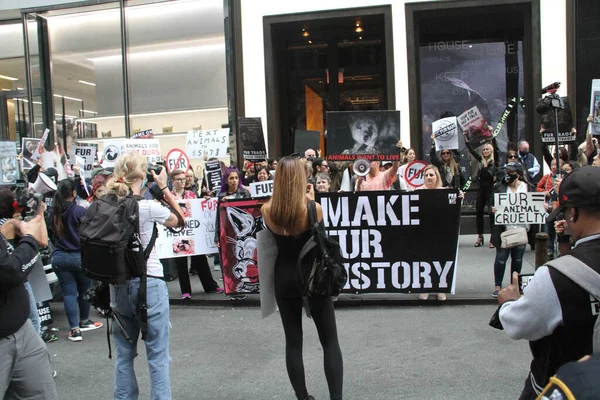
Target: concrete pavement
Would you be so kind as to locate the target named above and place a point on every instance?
(230, 353)
(474, 282)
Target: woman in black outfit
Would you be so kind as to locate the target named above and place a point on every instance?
(287, 217)
(448, 167)
(488, 161)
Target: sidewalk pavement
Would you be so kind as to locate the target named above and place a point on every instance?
(474, 283)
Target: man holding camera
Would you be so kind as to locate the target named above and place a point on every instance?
(25, 370)
(555, 314)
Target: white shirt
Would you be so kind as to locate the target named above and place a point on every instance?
(151, 212)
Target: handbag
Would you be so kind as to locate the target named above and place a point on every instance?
(514, 238)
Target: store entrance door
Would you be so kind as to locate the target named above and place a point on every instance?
(13, 115)
(331, 61)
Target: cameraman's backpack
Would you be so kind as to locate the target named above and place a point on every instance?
(111, 248)
(324, 275)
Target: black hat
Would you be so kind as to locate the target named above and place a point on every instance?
(515, 166)
(52, 173)
(580, 188)
(575, 380)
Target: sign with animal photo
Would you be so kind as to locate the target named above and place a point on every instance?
(594, 127)
(253, 139)
(520, 208)
(565, 125)
(198, 235)
(363, 134)
(28, 147)
(369, 227)
(9, 170)
(445, 131)
(239, 223)
(209, 143)
(476, 126)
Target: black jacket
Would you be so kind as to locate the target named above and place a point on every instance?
(458, 180)
(14, 269)
(486, 174)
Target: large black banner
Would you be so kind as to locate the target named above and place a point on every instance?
(253, 139)
(396, 242)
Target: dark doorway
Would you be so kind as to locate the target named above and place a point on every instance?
(325, 61)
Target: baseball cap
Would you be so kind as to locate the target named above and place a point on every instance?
(385, 163)
(580, 188)
(575, 380)
(52, 173)
(101, 171)
(515, 166)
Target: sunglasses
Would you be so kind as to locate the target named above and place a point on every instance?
(511, 156)
(445, 153)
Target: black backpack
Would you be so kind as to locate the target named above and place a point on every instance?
(112, 251)
(324, 274)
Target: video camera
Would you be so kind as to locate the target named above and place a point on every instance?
(157, 168)
(28, 203)
(551, 101)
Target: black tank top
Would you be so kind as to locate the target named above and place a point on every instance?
(287, 275)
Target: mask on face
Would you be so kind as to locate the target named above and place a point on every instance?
(144, 181)
(523, 153)
(508, 178)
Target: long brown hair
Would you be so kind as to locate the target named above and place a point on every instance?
(287, 207)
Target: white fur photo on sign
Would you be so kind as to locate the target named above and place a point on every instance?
(363, 134)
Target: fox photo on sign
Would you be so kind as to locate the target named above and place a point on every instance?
(253, 139)
(446, 133)
(210, 143)
(594, 128)
(363, 134)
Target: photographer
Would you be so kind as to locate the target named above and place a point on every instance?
(25, 370)
(555, 314)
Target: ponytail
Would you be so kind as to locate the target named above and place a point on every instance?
(65, 189)
(129, 167)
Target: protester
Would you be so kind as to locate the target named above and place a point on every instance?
(310, 154)
(546, 185)
(409, 156)
(25, 371)
(262, 174)
(250, 173)
(66, 260)
(513, 182)
(286, 216)
(272, 164)
(199, 263)
(323, 182)
(575, 380)
(129, 177)
(555, 314)
(376, 179)
(191, 182)
(528, 160)
(488, 161)
(337, 169)
(320, 166)
(447, 166)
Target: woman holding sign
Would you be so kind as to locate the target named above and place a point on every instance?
(513, 182)
(488, 161)
(286, 216)
(448, 167)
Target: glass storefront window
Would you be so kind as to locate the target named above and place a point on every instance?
(13, 106)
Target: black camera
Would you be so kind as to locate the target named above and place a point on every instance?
(157, 168)
(28, 203)
(551, 101)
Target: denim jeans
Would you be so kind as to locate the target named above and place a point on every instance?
(33, 311)
(74, 283)
(516, 254)
(123, 301)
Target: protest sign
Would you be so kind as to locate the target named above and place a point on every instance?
(209, 143)
(9, 171)
(198, 235)
(472, 119)
(519, 208)
(563, 137)
(594, 127)
(371, 135)
(565, 125)
(149, 148)
(413, 174)
(112, 150)
(177, 159)
(86, 154)
(147, 134)
(446, 133)
(395, 242)
(253, 139)
(28, 147)
(38, 150)
(213, 176)
(304, 140)
(261, 189)
(240, 221)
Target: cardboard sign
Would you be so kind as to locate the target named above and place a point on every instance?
(472, 119)
(209, 143)
(177, 159)
(519, 208)
(253, 139)
(594, 127)
(149, 148)
(446, 133)
(83, 156)
(36, 154)
(198, 236)
(147, 134)
(261, 189)
(9, 170)
(112, 150)
(28, 147)
(371, 135)
(214, 176)
(413, 175)
(370, 225)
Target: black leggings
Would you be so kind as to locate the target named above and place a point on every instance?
(323, 314)
(484, 196)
